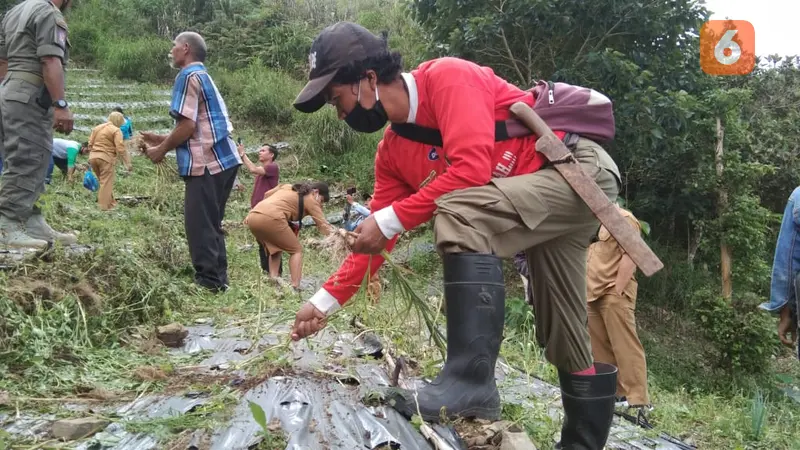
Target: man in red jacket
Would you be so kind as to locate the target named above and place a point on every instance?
(491, 200)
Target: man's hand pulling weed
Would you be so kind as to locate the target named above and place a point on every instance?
(152, 139)
(371, 240)
(308, 321)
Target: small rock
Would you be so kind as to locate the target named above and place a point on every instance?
(5, 399)
(72, 429)
(516, 441)
(172, 335)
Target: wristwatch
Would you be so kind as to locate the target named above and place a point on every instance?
(60, 104)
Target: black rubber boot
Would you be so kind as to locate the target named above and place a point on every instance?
(475, 296)
(588, 408)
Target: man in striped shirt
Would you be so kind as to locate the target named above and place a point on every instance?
(207, 158)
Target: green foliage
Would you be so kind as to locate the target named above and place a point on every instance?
(337, 151)
(519, 314)
(85, 39)
(265, 35)
(674, 287)
(758, 415)
(142, 59)
(258, 415)
(259, 95)
(536, 422)
(40, 330)
(743, 335)
(5, 5)
(425, 262)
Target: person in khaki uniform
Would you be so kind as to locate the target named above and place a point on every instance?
(270, 219)
(489, 200)
(34, 50)
(611, 290)
(105, 144)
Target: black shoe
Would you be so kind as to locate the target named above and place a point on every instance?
(588, 408)
(215, 288)
(475, 297)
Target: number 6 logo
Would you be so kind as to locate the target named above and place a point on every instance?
(727, 47)
(726, 43)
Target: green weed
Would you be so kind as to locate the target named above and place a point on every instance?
(259, 95)
(143, 59)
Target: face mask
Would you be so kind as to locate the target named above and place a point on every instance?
(367, 120)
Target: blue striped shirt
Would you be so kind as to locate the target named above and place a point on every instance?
(196, 97)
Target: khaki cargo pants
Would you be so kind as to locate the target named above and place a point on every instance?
(612, 327)
(106, 174)
(26, 131)
(541, 214)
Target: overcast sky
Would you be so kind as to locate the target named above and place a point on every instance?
(775, 22)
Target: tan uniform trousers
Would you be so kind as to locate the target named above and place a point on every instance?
(612, 327)
(106, 174)
(541, 214)
(273, 232)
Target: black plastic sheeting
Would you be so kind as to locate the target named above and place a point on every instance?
(315, 409)
(316, 414)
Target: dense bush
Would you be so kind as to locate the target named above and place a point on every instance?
(142, 59)
(259, 95)
(335, 149)
(743, 335)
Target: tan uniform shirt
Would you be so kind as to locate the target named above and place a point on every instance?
(603, 260)
(30, 31)
(105, 143)
(282, 201)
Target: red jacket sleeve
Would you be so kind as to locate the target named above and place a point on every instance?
(466, 117)
(347, 280)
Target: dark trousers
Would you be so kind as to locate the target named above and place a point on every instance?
(204, 209)
(262, 255)
(56, 162)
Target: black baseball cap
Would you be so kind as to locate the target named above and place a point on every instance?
(335, 47)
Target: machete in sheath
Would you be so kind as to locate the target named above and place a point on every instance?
(557, 153)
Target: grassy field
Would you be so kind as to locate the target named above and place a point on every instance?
(83, 324)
